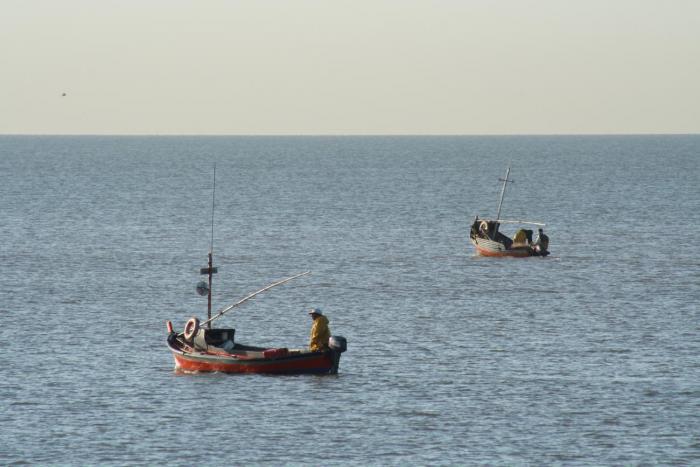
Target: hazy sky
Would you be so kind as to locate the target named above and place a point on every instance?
(349, 67)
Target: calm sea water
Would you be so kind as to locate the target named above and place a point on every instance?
(588, 357)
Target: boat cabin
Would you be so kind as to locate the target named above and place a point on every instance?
(214, 339)
(489, 229)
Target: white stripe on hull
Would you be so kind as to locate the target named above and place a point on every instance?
(488, 244)
(488, 247)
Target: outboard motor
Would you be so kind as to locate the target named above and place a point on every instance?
(338, 345)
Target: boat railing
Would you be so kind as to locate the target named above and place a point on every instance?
(505, 221)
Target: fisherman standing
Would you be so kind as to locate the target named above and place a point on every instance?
(320, 334)
(541, 241)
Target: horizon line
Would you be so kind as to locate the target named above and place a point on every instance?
(331, 135)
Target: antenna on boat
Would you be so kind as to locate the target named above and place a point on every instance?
(503, 191)
(213, 200)
(211, 270)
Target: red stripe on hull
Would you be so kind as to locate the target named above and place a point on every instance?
(320, 363)
(511, 253)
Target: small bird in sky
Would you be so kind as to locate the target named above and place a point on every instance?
(63, 95)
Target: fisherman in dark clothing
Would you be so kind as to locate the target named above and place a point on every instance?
(541, 242)
(528, 235)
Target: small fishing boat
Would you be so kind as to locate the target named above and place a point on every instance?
(201, 348)
(488, 240)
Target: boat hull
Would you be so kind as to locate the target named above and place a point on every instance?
(325, 362)
(487, 247)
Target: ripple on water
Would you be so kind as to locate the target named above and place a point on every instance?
(586, 357)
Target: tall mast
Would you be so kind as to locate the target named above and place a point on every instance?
(211, 270)
(503, 192)
(213, 199)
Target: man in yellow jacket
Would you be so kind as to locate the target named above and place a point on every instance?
(319, 331)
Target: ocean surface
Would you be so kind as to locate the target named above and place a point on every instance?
(588, 357)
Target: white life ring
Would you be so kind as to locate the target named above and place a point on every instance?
(191, 328)
(484, 226)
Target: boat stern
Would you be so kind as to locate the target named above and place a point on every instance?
(338, 345)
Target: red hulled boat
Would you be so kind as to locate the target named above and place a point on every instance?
(199, 347)
(488, 240)
(215, 350)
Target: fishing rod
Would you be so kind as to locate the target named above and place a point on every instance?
(248, 297)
